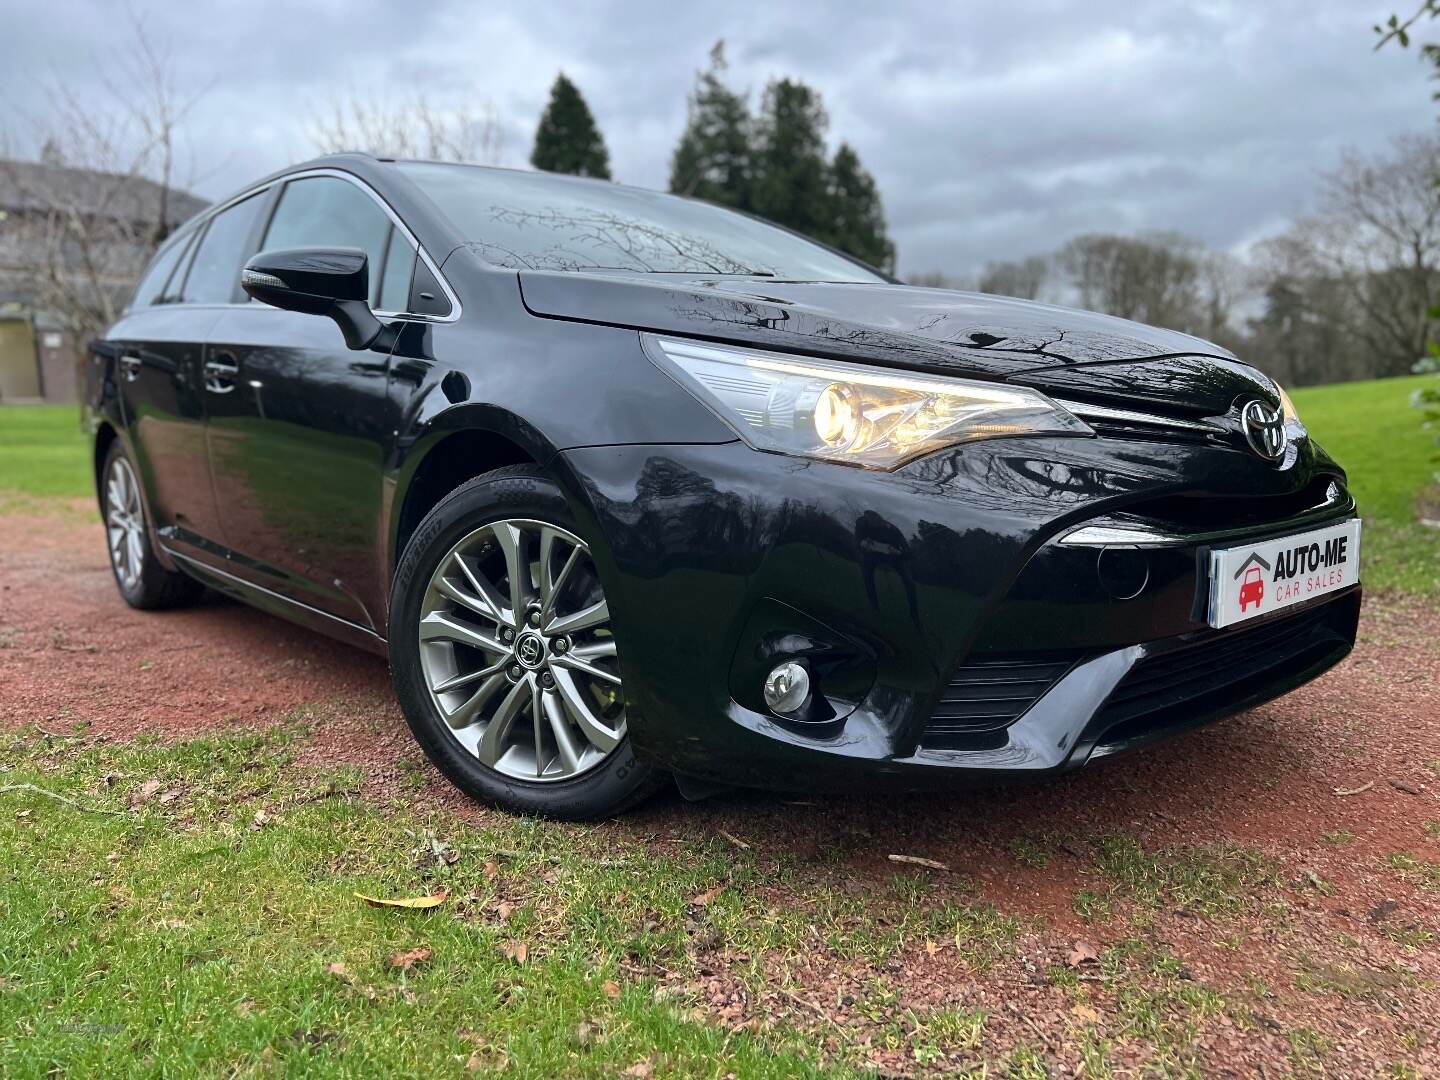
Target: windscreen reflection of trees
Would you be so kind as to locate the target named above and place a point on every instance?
(604, 239)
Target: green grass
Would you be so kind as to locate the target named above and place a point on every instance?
(185, 934)
(42, 451)
(1368, 427)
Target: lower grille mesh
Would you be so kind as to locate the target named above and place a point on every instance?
(988, 695)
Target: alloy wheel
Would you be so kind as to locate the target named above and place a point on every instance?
(517, 652)
(124, 523)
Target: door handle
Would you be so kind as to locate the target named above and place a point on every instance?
(130, 366)
(220, 373)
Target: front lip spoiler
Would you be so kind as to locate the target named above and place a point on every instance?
(1060, 732)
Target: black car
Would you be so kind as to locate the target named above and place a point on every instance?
(627, 485)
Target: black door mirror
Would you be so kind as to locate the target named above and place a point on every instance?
(317, 281)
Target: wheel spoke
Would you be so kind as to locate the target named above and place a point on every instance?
(495, 741)
(597, 614)
(595, 650)
(438, 626)
(465, 714)
(537, 712)
(455, 682)
(600, 736)
(477, 604)
(560, 730)
(485, 592)
(513, 546)
(570, 660)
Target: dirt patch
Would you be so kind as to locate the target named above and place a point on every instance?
(1221, 863)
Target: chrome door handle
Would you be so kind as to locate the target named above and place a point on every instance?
(130, 366)
(220, 374)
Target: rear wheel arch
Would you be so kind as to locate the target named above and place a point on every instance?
(105, 434)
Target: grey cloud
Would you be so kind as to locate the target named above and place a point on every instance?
(995, 130)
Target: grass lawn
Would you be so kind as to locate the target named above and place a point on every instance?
(203, 918)
(1368, 427)
(42, 451)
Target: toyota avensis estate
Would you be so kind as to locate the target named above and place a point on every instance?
(629, 486)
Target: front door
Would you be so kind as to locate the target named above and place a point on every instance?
(300, 426)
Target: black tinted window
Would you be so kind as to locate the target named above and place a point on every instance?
(392, 291)
(325, 211)
(540, 221)
(215, 273)
(152, 286)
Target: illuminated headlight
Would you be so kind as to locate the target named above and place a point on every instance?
(1289, 412)
(853, 413)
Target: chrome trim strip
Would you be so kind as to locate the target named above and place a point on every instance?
(1103, 412)
(1108, 532)
(207, 568)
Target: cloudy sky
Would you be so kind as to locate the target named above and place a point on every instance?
(995, 129)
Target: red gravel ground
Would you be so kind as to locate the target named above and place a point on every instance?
(1336, 967)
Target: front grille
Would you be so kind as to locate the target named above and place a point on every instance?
(1176, 687)
(988, 695)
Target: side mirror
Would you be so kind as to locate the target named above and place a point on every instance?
(317, 281)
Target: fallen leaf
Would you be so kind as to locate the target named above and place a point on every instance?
(146, 793)
(916, 860)
(585, 1033)
(1401, 785)
(169, 796)
(1082, 953)
(741, 844)
(260, 821)
(22, 814)
(1086, 1014)
(411, 902)
(340, 971)
(931, 948)
(407, 960)
(1355, 791)
(491, 869)
(701, 899)
(610, 988)
(515, 950)
(640, 1070)
(504, 910)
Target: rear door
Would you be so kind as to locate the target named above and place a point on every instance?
(157, 344)
(300, 426)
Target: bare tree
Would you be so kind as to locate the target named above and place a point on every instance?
(1377, 236)
(1154, 278)
(1025, 278)
(83, 221)
(938, 279)
(415, 128)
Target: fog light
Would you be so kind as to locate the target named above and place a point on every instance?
(787, 687)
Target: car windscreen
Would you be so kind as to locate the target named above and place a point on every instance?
(540, 221)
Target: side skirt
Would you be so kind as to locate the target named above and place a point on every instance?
(273, 603)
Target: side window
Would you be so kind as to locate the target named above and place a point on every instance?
(325, 211)
(392, 291)
(151, 289)
(214, 276)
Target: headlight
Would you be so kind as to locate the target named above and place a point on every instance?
(853, 413)
(1287, 407)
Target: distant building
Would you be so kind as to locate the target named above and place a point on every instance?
(38, 352)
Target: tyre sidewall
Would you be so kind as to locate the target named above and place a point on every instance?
(515, 492)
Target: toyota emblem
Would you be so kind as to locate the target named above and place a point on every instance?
(1264, 429)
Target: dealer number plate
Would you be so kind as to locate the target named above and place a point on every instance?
(1259, 578)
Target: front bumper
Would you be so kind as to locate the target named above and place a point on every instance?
(949, 631)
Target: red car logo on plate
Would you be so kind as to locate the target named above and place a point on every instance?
(1252, 589)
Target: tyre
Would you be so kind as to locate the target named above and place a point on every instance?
(141, 579)
(503, 656)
